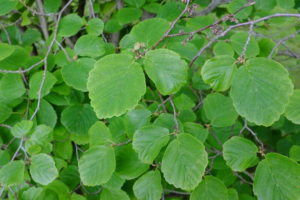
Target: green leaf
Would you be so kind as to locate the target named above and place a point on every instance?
(46, 114)
(183, 102)
(276, 178)
(76, 73)
(97, 165)
(166, 70)
(12, 173)
(16, 60)
(69, 25)
(238, 41)
(78, 119)
(4, 157)
(35, 84)
(141, 32)
(226, 176)
(239, 153)
(63, 149)
(187, 169)
(210, 188)
(116, 84)
(5, 50)
(7, 5)
(30, 36)
(286, 4)
(129, 166)
(5, 112)
(12, 86)
(265, 5)
(135, 119)
(292, 110)
(128, 15)
(170, 11)
(148, 141)
(266, 46)
(200, 22)
(295, 153)
(114, 195)
(237, 4)
(40, 136)
(90, 45)
(99, 134)
(21, 129)
(223, 48)
(95, 27)
(32, 193)
(153, 8)
(198, 82)
(219, 110)
(112, 26)
(196, 130)
(51, 6)
(218, 72)
(115, 182)
(260, 90)
(135, 3)
(42, 169)
(70, 176)
(148, 186)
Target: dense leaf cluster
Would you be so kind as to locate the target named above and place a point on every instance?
(149, 99)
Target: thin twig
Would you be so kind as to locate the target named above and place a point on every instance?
(6, 33)
(240, 177)
(162, 102)
(120, 144)
(175, 116)
(177, 192)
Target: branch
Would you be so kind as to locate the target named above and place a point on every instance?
(6, 33)
(175, 116)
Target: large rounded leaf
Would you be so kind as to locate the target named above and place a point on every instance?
(95, 26)
(148, 141)
(78, 119)
(42, 169)
(276, 177)
(292, 110)
(7, 5)
(166, 69)
(148, 186)
(69, 25)
(116, 84)
(219, 110)
(97, 165)
(129, 166)
(210, 188)
(76, 73)
(90, 45)
(238, 41)
(184, 162)
(12, 173)
(239, 153)
(261, 90)
(218, 72)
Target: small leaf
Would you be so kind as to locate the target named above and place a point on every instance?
(219, 110)
(99, 134)
(129, 166)
(5, 50)
(265, 5)
(97, 165)
(135, 3)
(51, 6)
(35, 84)
(239, 153)
(223, 48)
(276, 177)
(95, 27)
(210, 188)
(237, 4)
(295, 153)
(21, 129)
(238, 41)
(78, 119)
(266, 46)
(196, 130)
(116, 84)
(183, 102)
(114, 195)
(7, 5)
(5, 112)
(42, 169)
(90, 45)
(69, 25)
(128, 15)
(148, 141)
(76, 73)
(286, 4)
(115, 182)
(292, 110)
(12, 173)
(166, 70)
(260, 90)
(187, 169)
(135, 119)
(218, 72)
(148, 186)
(12, 86)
